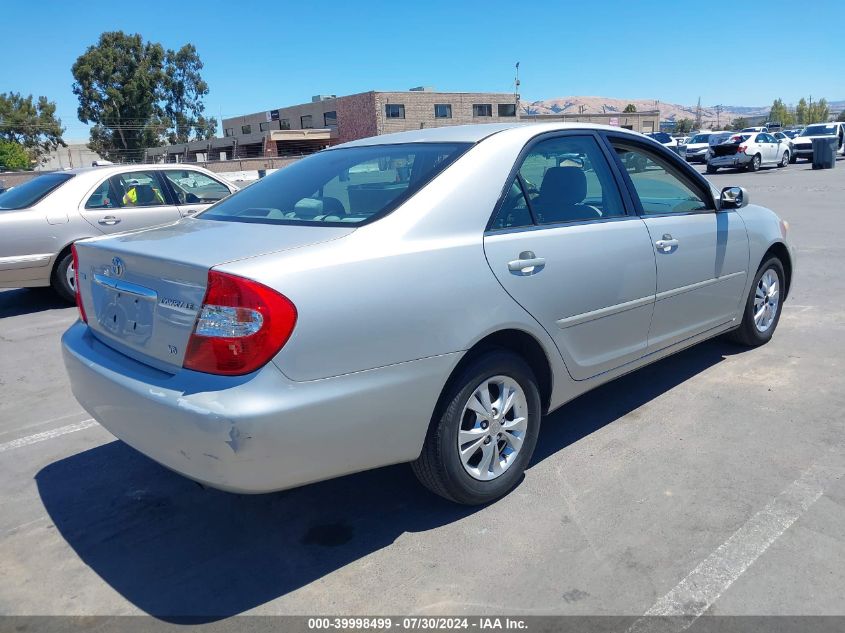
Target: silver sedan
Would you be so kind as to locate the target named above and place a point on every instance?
(420, 297)
(40, 219)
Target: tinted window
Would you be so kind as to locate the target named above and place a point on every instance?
(661, 137)
(514, 211)
(567, 179)
(132, 189)
(819, 130)
(660, 185)
(346, 186)
(193, 187)
(700, 138)
(32, 191)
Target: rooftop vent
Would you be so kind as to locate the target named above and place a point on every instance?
(318, 98)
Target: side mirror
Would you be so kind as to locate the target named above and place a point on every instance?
(733, 198)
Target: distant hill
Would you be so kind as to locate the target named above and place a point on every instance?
(668, 111)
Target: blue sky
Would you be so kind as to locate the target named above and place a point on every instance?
(263, 55)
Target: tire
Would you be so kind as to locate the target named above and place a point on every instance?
(61, 279)
(711, 169)
(793, 158)
(754, 165)
(440, 467)
(784, 161)
(749, 333)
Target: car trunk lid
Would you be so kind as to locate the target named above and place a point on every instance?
(142, 291)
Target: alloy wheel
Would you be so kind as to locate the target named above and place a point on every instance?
(493, 426)
(70, 276)
(766, 300)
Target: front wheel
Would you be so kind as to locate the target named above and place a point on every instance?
(755, 163)
(763, 306)
(482, 439)
(784, 161)
(64, 279)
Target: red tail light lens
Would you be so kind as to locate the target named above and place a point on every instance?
(242, 324)
(76, 283)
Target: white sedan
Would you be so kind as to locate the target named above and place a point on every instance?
(748, 150)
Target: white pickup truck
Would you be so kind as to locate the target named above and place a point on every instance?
(803, 143)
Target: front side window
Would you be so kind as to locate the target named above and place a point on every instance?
(660, 186)
(507, 109)
(193, 187)
(442, 110)
(129, 190)
(306, 122)
(394, 111)
(482, 109)
(341, 187)
(32, 191)
(567, 179)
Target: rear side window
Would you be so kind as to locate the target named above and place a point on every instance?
(31, 192)
(128, 190)
(341, 186)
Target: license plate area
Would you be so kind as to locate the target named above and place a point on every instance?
(124, 310)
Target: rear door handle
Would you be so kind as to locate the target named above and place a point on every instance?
(527, 264)
(668, 242)
(108, 220)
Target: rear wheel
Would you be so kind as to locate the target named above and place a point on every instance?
(763, 306)
(63, 280)
(755, 163)
(784, 161)
(480, 442)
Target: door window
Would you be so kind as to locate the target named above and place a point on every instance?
(193, 187)
(567, 179)
(514, 211)
(129, 190)
(660, 186)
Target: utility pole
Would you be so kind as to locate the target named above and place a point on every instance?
(719, 116)
(698, 115)
(516, 90)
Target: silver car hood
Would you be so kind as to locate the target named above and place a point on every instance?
(207, 243)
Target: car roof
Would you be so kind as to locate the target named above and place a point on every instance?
(477, 132)
(119, 169)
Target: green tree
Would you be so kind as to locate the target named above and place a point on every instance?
(801, 112)
(779, 113)
(138, 95)
(629, 108)
(683, 126)
(184, 90)
(739, 123)
(31, 124)
(14, 156)
(818, 112)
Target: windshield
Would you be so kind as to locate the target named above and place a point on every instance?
(29, 193)
(662, 137)
(339, 187)
(700, 138)
(819, 130)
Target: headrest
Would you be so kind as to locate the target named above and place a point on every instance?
(567, 185)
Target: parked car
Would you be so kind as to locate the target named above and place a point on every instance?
(700, 143)
(792, 132)
(428, 309)
(40, 219)
(803, 143)
(784, 138)
(672, 143)
(749, 151)
(755, 129)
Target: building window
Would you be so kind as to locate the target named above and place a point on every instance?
(229, 131)
(394, 111)
(507, 109)
(482, 109)
(264, 126)
(284, 124)
(442, 111)
(246, 129)
(306, 122)
(330, 119)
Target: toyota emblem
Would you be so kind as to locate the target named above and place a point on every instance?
(117, 267)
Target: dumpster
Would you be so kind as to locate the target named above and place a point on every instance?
(824, 152)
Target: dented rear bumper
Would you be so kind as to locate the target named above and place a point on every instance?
(261, 432)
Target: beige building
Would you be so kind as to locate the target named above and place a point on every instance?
(645, 122)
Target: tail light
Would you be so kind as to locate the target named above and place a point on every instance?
(242, 324)
(76, 283)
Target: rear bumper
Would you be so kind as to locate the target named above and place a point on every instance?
(261, 432)
(734, 160)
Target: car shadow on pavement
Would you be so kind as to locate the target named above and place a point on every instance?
(19, 301)
(175, 550)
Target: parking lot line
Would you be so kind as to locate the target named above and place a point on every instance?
(47, 435)
(711, 578)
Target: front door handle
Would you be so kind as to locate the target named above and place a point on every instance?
(108, 220)
(668, 242)
(527, 264)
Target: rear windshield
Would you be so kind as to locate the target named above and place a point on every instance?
(32, 191)
(339, 187)
(700, 138)
(819, 130)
